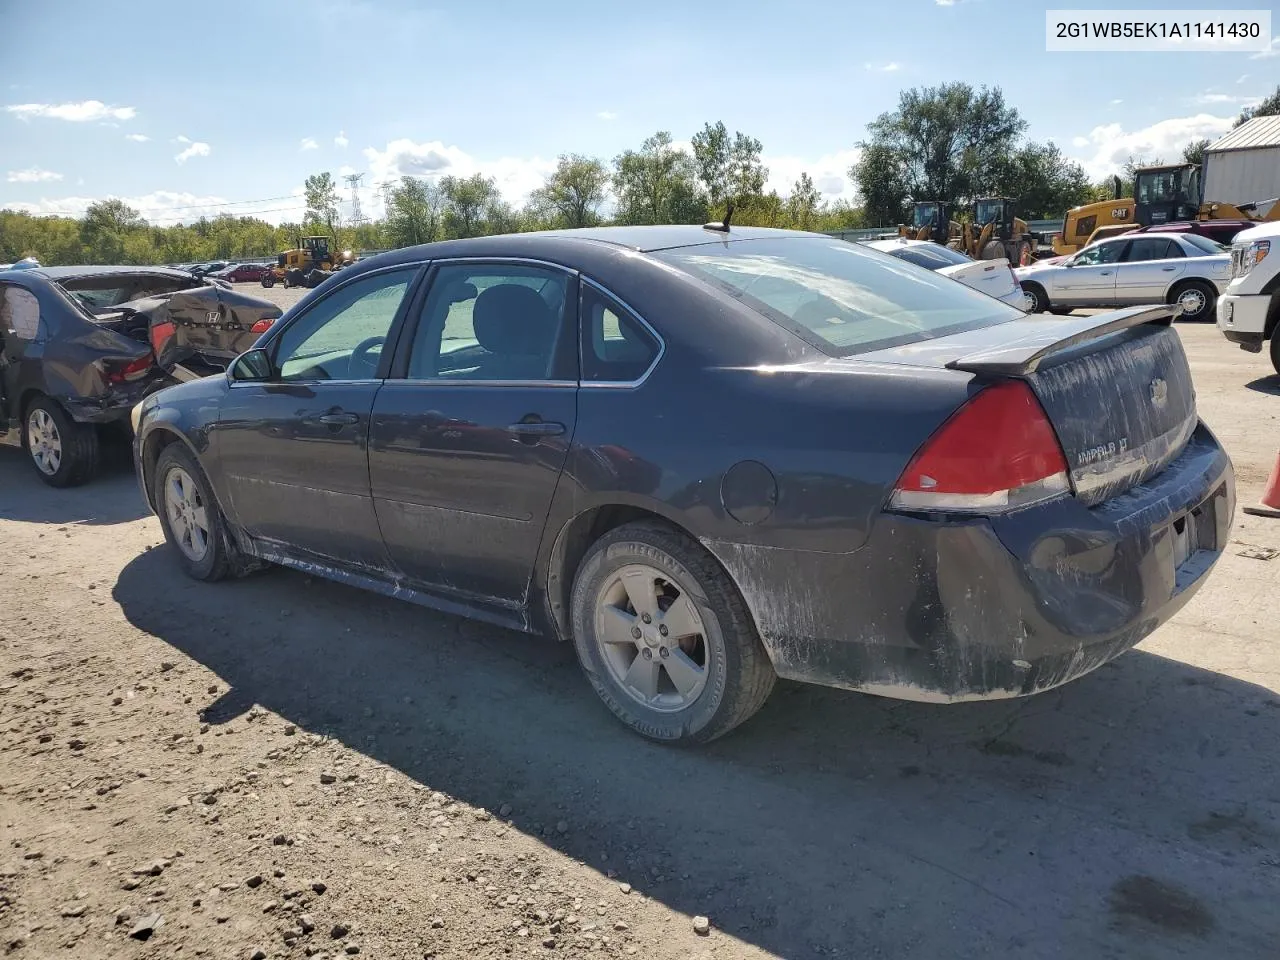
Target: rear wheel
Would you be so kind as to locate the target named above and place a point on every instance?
(64, 453)
(1275, 350)
(1197, 299)
(1036, 301)
(994, 250)
(192, 523)
(664, 637)
(268, 279)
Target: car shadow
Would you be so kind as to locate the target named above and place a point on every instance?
(1135, 812)
(112, 496)
(1269, 385)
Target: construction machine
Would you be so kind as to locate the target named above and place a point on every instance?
(1165, 194)
(994, 233)
(309, 263)
(930, 220)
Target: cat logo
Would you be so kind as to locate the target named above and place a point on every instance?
(1120, 213)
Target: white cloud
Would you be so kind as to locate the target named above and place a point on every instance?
(830, 173)
(341, 139)
(607, 115)
(195, 148)
(1271, 51)
(891, 67)
(1080, 141)
(1113, 145)
(308, 143)
(945, 3)
(181, 139)
(167, 207)
(1210, 98)
(1243, 78)
(137, 137)
(80, 112)
(346, 170)
(33, 175)
(1116, 103)
(516, 177)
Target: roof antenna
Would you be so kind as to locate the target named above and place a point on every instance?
(723, 225)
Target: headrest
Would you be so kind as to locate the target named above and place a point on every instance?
(512, 319)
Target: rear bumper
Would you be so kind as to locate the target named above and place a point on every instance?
(968, 610)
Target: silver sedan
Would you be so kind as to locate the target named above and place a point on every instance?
(1182, 268)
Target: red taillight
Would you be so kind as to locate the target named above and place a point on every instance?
(262, 326)
(160, 335)
(133, 370)
(995, 453)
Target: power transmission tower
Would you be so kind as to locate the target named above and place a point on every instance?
(357, 215)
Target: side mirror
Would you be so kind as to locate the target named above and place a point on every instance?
(251, 366)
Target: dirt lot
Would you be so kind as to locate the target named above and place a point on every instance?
(289, 766)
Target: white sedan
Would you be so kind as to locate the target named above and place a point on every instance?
(1182, 268)
(993, 277)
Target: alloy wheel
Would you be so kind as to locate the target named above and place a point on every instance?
(188, 517)
(651, 638)
(44, 442)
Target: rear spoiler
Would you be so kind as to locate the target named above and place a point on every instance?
(1021, 358)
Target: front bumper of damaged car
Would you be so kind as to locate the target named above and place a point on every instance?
(940, 610)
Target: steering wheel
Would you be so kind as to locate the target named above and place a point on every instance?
(361, 355)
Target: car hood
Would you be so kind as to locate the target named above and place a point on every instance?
(1264, 231)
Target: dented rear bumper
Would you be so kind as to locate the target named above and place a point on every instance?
(946, 611)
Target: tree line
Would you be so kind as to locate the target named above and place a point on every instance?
(952, 142)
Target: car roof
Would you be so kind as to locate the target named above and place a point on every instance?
(648, 238)
(71, 273)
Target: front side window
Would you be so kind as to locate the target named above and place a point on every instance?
(494, 322)
(1099, 253)
(341, 337)
(616, 347)
(840, 297)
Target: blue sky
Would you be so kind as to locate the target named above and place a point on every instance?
(180, 114)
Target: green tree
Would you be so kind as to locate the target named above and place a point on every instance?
(1267, 107)
(804, 204)
(728, 168)
(573, 194)
(942, 143)
(657, 184)
(322, 203)
(1042, 181)
(465, 202)
(414, 212)
(105, 226)
(1193, 152)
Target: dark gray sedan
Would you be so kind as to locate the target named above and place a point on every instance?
(710, 459)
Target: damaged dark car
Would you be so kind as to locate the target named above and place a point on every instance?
(711, 458)
(80, 346)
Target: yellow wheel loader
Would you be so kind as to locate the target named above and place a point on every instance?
(307, 264)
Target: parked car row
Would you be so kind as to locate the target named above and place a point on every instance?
(709, 458)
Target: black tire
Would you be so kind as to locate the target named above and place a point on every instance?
(739, 675)
(1037, 294)
(219, 560)
(268, 280)
(1208, 299)
(1275, 350)
(77, 444)
(994, 250)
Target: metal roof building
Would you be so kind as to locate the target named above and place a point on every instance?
(1244, 165)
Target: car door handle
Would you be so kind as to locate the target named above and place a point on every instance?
(1168, 269)
(538, 428)
(335, 419)
(1105, 273)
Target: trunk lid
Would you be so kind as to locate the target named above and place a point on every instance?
(992, 277)
(1116, 387)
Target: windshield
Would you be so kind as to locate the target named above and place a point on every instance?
(987, 211)
(1162, 187)
(840, 297)
(1207, 247)
(924, 215)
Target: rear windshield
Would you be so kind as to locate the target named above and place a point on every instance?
(928, 255)
(840, 297)
(1206, 246)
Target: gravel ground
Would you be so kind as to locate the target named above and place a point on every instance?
(283, 767)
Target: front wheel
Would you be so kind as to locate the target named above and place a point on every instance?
(64, 452)
(1197, 299)
(268, 280)
(189, 515)
(665, 638)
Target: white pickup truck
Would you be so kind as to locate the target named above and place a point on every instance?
(1249, 309)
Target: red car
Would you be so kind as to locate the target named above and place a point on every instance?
(241, 273)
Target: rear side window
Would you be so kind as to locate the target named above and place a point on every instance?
(616, 346)
(1207, 247)
(19, 312)
(1148, 248)
(932, 257)
(841, 297)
